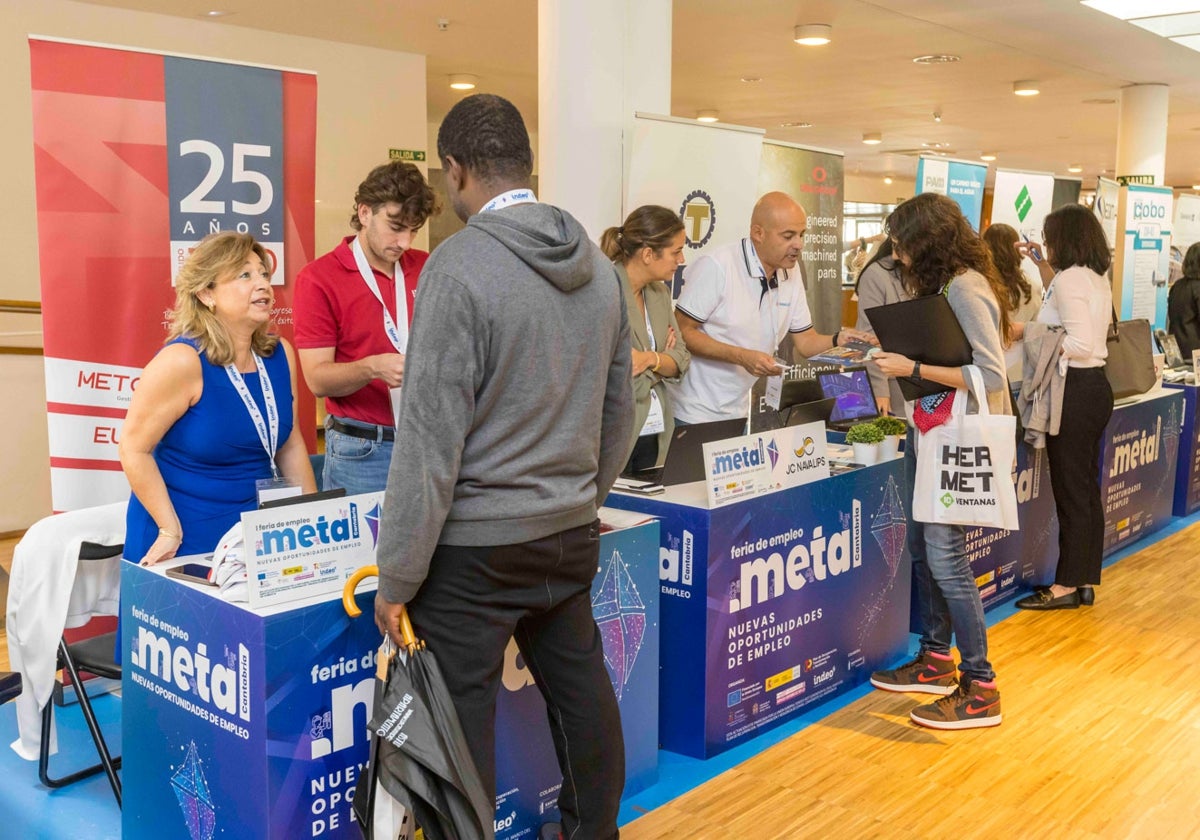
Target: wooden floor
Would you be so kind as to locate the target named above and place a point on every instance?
(1101, 736)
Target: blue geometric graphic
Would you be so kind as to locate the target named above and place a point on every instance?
(191, 789)
(621, 616)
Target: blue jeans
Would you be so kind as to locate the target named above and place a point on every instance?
(948, 601)
(357, 464)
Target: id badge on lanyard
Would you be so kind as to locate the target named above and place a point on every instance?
(396, 329)
(275, 487)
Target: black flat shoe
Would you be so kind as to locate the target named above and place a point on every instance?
(1043, 599)
(1087, 595)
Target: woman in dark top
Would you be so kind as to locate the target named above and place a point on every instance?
(1183, 305)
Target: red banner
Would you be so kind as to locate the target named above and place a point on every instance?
(109, 189)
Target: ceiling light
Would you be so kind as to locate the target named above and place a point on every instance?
(751, 79)
(215, 13)
(1099, 101)
(796, 125)
(937, 116)
(1075, 168)
(935, 59)
(988, 156)
(707, 115)
(887, 179)
(1196, 186)
(463, 81)
(872, 138)
(1026, 88)
(813, 34)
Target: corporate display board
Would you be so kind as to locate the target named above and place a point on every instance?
(1185, 231)
(1108, 193)
(1022, 200)
(138, 156)
(697, 170)
(815, 178)
(1142, 259)
(961, 180)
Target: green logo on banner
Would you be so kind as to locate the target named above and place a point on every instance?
(1024, 203)
(409, 155)
(947, 500)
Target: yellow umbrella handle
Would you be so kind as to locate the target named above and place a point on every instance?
(407, 635)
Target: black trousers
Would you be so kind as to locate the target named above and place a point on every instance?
(477, 598)
(1074, 455)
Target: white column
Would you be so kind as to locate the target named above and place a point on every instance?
(598, 62)
(1142, 131)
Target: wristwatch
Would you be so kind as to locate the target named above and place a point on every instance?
(916, 374)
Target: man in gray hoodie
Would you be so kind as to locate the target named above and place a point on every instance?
(514, 422)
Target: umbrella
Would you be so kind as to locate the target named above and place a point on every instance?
(419, 756)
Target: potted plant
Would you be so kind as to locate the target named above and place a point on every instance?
(893, 429)
(865, 437)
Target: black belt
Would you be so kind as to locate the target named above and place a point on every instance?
(372, 433)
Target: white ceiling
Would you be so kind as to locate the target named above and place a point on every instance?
(864, 81)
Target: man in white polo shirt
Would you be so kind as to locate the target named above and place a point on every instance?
(738, 302)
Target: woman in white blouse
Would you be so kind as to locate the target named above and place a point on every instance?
(1078, 298)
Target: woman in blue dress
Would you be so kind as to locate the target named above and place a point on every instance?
(214, 412)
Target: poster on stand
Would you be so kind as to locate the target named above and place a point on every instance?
(815, 178)
(1022, 200)
(698, 170)
(1108, 192)
(1185, 231)
(961, 180)
(1142, 263)
(138, 156)
(1138, 460)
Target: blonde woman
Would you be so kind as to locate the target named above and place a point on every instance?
(213, 413)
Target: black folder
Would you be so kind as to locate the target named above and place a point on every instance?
(926, 330)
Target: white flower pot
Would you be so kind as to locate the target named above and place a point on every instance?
(890, 448)
(866, 453)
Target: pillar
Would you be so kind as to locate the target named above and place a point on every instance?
(1142, 131)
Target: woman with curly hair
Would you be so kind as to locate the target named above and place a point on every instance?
(941, 254)
(1020, 301)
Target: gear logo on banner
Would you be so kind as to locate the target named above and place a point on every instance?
(1024, 203)
(699, 215)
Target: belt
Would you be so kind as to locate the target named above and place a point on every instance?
(377, 433)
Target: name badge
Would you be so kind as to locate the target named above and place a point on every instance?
(270, 489)
(394, 394)
(655, 422)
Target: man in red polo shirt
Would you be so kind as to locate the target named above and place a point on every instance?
(352, 311)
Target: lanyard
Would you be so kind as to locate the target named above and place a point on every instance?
(268, 434)
(649, 329)
(398, 335)
(509, 199)
(755, 267)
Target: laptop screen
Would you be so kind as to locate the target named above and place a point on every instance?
(852, 391)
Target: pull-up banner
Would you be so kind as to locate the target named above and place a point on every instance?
(960, 180)
(138, 156)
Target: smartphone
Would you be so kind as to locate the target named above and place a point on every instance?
(1035, 251)
(193, 573)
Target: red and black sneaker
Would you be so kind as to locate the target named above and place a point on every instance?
(929, 673)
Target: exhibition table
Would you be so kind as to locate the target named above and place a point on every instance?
(252, 723)
(1138, 464)
(773, 603)
(1187, 471)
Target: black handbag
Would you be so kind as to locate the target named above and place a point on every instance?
(1130, 364)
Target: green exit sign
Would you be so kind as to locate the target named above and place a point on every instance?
(1126, 180)
(409, 155)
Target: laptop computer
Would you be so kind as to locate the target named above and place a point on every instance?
(1168, 345)
(853, 396)
(685, 458)
(810, 412)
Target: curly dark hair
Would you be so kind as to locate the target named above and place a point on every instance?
(400, 183)
(932, 232)
(1001, 240)
(1075, 237)
(486, 135)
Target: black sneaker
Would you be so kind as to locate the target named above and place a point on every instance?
(929, 673)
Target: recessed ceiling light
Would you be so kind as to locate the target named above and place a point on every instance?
(707, 115)
(928, 145)
(1026, 88)
(813, 34)
(1075, 168)
(1100, 101)
(988, 156)
(751, 79)
(463, 81)
(796, 125)
(937, 58)
(1196, 186)
(887, 179)
(215, 13)
(872, 138)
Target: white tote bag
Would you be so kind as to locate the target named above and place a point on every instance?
(964, 466)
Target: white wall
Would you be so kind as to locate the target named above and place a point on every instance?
(368, 101)
(872, 189)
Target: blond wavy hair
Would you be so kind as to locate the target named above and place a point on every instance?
(214, 259)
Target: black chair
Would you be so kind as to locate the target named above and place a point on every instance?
(10, 686)
(95, 656)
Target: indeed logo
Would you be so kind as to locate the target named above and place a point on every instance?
(765, 578)
(739, 459)
(1142, 210)
(225, 688)
(320, 532)
(1135, 453)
